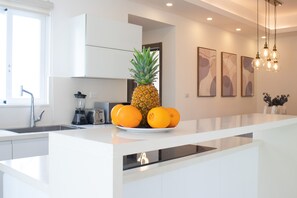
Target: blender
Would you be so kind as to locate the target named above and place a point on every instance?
(80, 114)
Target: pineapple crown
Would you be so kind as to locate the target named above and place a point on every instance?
(145, 68)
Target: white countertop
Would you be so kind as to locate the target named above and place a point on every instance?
(187, 132)
(35, 170)
(32, 170)
(8, 135)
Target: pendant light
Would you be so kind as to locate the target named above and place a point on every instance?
(275, 53)
(257, 62)
(265, 51)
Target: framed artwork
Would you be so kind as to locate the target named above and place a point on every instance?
(247, 77)
(206, 78)
(229, 74)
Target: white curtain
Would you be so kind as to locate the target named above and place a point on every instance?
(39, 6)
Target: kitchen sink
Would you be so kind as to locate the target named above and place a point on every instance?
(43, 128)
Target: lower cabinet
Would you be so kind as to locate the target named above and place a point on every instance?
(29, 147)
(5, 150)
(234, 175)
(13, 149)
(15, 188)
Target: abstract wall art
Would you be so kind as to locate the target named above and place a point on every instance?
(229, 74)
(207, 59)
(247, 77)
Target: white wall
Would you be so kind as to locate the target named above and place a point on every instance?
(180, 74)
(191, 35)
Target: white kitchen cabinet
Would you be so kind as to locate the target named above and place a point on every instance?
(1, 185)
(29, 147)
(232, 175)
(15, 188)
(103, 48)
(5, 150)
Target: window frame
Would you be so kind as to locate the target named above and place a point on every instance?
(44, 59)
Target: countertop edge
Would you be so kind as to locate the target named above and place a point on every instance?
(41, 185)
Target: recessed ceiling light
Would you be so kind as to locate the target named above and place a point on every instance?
(169, 4)
(263, 37)
(238, 29)
(209, 18)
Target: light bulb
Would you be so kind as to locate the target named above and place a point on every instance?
(257, 62)
(265, 51)
(275, 66)
(268, 64)
(274, 53)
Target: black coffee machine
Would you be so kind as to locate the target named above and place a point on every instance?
(80, 114)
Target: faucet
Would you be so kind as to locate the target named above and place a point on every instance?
(32, 112)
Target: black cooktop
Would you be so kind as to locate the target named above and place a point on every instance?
(143, 159)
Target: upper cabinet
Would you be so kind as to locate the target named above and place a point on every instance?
(103, 48)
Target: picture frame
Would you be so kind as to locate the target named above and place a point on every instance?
(228, 74)
(247, 77)
(206, 72)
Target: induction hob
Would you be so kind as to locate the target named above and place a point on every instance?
(143, 159)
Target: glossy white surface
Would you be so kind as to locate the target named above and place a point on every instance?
(186, 132)
(96, 42)
(32, 170)
(86, 149)
(8, 135)
(16, 188)
(226, 175)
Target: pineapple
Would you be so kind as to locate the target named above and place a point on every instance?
(145, 96)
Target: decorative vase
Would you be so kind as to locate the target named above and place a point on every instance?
(282, 109)
(267, 109)
(274, 109)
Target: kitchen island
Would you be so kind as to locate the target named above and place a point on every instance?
(89, 162)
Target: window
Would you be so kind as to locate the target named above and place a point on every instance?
(23, 56)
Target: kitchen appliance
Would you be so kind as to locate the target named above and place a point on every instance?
(107, 106)
(96, 116)
(143, 159)
(80, 114)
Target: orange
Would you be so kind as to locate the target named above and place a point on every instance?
(174, 117)
(158, 117)
(129, 116)
(113, 113)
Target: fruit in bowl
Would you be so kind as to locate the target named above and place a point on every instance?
(145, 110)
(158, 117)
(174, 117)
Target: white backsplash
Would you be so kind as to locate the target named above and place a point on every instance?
(62, 101)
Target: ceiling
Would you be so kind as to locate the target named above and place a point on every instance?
(228, 14)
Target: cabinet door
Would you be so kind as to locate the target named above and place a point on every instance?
(107, 63)
(232, 175)
(29, 147)
(16, 188)
(239, 174)
(5, 150)
(112, 34)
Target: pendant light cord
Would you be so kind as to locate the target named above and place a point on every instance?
(268, 23)
(275, 24)
(257, 26)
